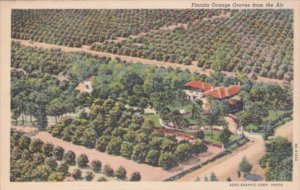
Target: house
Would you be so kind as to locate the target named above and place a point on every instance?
(194, 89)
(199, 86)
(223, 92)
(198, 89)
(201, 90)
(86, 86)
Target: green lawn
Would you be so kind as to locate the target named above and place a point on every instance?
(154, 118)
(214, 138)
(176, 105)
(272, 115)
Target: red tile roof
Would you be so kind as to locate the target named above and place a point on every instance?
(222, 92)
(232, 90)
(199, 85)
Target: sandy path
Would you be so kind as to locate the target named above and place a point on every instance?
(228, 165)
(286, 131)
(232, 126)
(148, 173)
(191, 68)
(161, 29)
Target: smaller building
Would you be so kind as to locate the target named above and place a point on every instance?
(85, 86)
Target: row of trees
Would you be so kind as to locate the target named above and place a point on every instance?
(252, 41)
(79, 27)
(34, 160)
(110, 128)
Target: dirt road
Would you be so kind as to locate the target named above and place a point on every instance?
(286, 131)
(148, 173)
(228, 165)
(191, 68)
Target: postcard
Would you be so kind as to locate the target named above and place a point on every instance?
(150, 94)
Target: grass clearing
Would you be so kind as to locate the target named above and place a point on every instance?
(214, 138)
(154, 118)
(272, 115)
(177, 105)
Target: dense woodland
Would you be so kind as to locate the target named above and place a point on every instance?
(260, 39)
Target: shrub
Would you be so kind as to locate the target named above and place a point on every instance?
(107, 170)
(24, 142)
(101, 144)
(56, 176)
(213, 177)
(167, 160)
(121, 172)
(225, 136)
(51, 162)
(69, 157)
(102, 179)
(63, 167)
(48, 149)
(82, 160)
(114, 146)
(135, 176)
(96, 166)
(76, 174)
(89, 176)
(126, 150)
(152, 157)
(199, 134)
(198, 147)
(36, 145)
(245, 166)
(58, 153)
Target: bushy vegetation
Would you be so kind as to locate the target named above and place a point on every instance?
(259, 100)
(278, 160)
(245, 166)
(110, 127)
